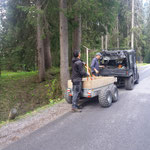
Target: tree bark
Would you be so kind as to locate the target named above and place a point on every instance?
(102, 42)
(118, 43)
(47, 47)
(132, 26)
(47, 52)
(106, 39)
(64, 64)
(0, 70)
(76, 35)
(128, 27)
(40, 45)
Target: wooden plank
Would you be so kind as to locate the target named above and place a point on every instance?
(95, 82)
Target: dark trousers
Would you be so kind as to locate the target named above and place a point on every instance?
(77, 87)
(95, 74)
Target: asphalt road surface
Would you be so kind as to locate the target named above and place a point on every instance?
(123, 126)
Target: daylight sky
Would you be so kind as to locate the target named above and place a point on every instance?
(145, 1)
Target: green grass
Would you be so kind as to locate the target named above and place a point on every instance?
(22, 90)
(141, 64)
(17, 75)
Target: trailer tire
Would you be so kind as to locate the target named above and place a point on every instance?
(114, 91)
(68, 98)
(105, 97)
(129, 83)
(137, 81)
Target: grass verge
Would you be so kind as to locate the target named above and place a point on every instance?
(141, 64)
(21, 90)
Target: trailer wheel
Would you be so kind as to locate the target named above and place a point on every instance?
(137, 81)
(114, 91)
(129, 83)
(68, 98)
(105, 97)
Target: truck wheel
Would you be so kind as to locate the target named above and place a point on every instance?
(137, 81)
(129, 83)
(114, 91)
(105, 97)
(68, 98)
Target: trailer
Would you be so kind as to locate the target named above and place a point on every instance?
(103, 88)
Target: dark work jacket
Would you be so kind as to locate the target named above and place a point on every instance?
(78, 71)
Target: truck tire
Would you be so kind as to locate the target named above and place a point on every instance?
(68, 98)
(129, 83)
(105, 97)
(114, 91)
(137, 81)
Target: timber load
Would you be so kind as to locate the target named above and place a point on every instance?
(95, 82)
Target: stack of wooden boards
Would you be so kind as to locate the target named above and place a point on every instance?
(95, 82)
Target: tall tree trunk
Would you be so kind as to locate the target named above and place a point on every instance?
(76, 35)
(128, 35)
(0, 69)
(47, 48)
(128, 27)
(64, 65)
(132, 26)
(102, 42)
(47, 52)
(106, 39)
(0, 65)
(118, 43)
(40, 46)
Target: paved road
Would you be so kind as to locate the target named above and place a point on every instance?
(123, 126)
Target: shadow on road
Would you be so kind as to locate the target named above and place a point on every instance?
(89, 101)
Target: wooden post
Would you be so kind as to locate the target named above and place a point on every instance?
(87, 59)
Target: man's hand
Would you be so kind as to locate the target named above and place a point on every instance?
(84, 63)
(96, 71)
(102, 66)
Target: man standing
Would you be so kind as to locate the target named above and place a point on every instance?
(95, 64)
(78, 73)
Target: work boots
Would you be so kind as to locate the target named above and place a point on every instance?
(76, 110)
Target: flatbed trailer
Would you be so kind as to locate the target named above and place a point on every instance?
(102, 87)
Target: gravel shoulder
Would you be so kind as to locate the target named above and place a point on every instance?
(13, 131)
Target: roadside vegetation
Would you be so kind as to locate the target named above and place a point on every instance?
(21, 90)
(142, 64)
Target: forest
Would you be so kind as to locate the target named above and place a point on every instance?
(38, 37)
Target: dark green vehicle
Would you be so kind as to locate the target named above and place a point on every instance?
(121, 64)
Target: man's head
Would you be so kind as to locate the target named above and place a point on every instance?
(77, 54)
(98, 55)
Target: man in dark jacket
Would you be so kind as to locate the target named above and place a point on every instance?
(78, 73)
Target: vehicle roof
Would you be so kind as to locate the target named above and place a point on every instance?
(116, 54)
(115, 51)
(109, 52)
